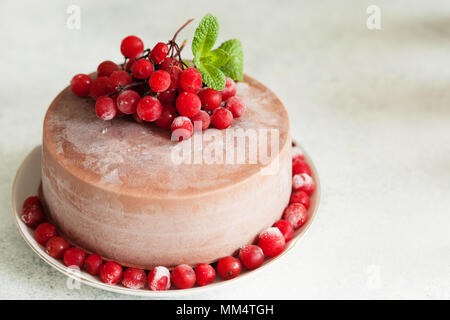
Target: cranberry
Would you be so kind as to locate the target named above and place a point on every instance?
(44, 232)
(183, 276)
(120, 78)
(105, 108)
(168, 97)
(106, 68)
(159, 279)
(101, 86)
(33, 215)
(303, 182)
(74, 257)
(111, 272)
(191, 80)
(169, 63)
(236, 106)
(92, 264)
(229, 267)
(188, 104)
(203, 118)
(204, 274)
(131, 47)
(286, 229)
(181, 128)
(300, 197)
(56, 247)
(251, 256)
(166, 118)
(271, 241)
(81, 85)
(230, 89)
(159, 52)
(159, 81)
(300, 166)
(142, 69)
(221, 118)
(149, 108)
(210, 98)
(296, 214)
(134, 278)
(127, 101)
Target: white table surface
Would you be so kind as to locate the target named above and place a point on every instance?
(372, 107)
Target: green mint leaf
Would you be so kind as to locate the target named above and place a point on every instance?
(212, 76)
(235, 64)
(205, 36)
(216, 57)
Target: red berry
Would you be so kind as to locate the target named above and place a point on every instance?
(183, 276)
(92, 264)
(149, 108)
(142, 69)
(56, 247)
(191, 80)
(204, 119)
(31, 201)
(134, 278)
(166, 118)
(210, 98)
(300, 166)
(204, 274)
(120, 78)
(221, 118)
(127, 101)
(271, 241)
(230, 89)
(33, 215)
(181, 128)
(188, 104)
(300, 197)
(236, 106)
(74, 257)
(229, 267)
(175, 73)
(131, 47)
(106, 68)
(159, 279)
(105, 108)
(101, 86)
(251, 256)
(303, 182)
(44, 232)
(159, 52)
(169, 63)
(168, 97)
(159, 81)
(111, 272)
(129, 64)
(296, 214)
(286, 229)
(81, 85)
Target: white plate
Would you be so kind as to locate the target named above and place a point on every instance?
(26, 183)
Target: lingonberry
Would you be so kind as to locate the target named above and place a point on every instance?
(300, 197)
(120, 78)
(101, 86)
(44, 232)
(251, 256)
(303, 182)
(159, 81)
(159, 279)
(230, 89)
(127, 101)
(56, 247)
(183, 276)
(92, 264)
(236, 106)
(149, 108)
(203, 118)
(210, 98)
(167, 115)
(168, 96)
(142, 69)
(229, 267)
(33, 215)
(188, 104)
(204, 274)
(221, 118)
(111, 272)
(159, 52)
(131, 47)
(134, 278)
(74, 257)
(81, 85)
(169, 63)
(271, 241)
(105, 108)
(296, 214)
(181, 128)
(106, 68)
(191, 80)
(300, 166)
(286, 229)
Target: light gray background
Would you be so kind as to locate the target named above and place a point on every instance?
(371, 107)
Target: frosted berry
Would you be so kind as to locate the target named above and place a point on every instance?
(168, 96)
(74, 257)
(251, 256)
(134, 278)
(120, 78)
(203, 118)
(166, 118)
(106, 68)
(181, 128)
(127, 101)
(169, 63)
(159, 81)
(296, 214)
(44, 232)
(105, 108)
(300, 197)
(204, 274)
(297, 154)
(149, 108)
(92, 264)
(142, 69)
(191, 80)
(300, 166)
(33, 215)
(230, 89)
(236, 106)
(229, 267)
(56, 247)
(286, 229)
(101, 86)
(111, 272)
(271, 241)
(159, 52)
(183, 276)
(174, 73)
(210, 98)
(131, 47)
(221, 118)
(81, 85)
(188, 104)
(31, 201)
(159, 279)
(303, 182)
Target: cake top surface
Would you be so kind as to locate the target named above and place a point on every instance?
(127, 157)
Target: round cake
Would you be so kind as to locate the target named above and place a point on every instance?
(119, 189)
